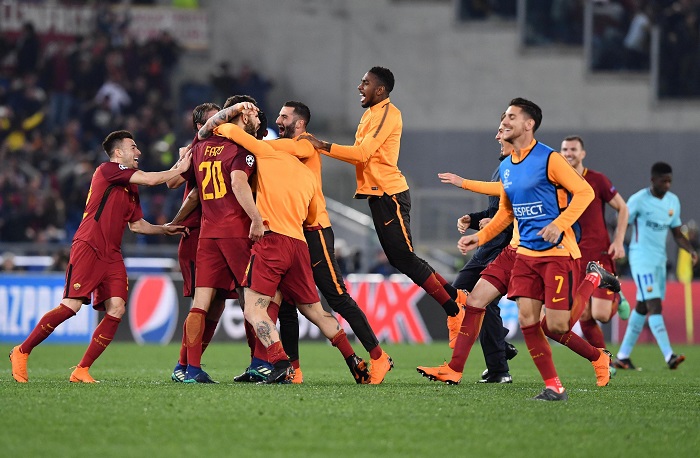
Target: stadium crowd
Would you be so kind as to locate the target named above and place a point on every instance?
(58, 100)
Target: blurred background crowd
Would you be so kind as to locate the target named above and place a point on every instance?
(60, 96)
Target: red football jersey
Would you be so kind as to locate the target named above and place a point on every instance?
(112, 202)
(193, 219)
(594, 232)
(213, 161)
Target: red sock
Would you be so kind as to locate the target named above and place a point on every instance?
(341, 342)
(276, 353)
(573, 342)
(593, 333)
(451, 290)
(45, 327)
(273, 311)
(194, 328)
(582, 296)
(593, 278)
(435, 290)
(209, 330)
(295, 364)
(540, 351)
(468, 333)
(103, 335)
(554, 384)
(376, 352)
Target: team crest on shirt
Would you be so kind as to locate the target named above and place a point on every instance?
(670, 212)
(76, 286)
(250, 160)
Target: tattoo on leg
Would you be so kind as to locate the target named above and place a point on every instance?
(331, 316)
(262, 303)
(262, 329)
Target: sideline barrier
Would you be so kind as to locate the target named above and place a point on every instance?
(398, 310)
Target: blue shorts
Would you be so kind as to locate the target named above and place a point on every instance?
(650, 280)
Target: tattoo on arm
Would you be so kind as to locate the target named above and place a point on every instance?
(205, 132)
(211, 124)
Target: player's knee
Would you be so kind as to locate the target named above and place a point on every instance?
(558, 327)
(527, 319)
(116, 310)
(599, 315)
(250, 313)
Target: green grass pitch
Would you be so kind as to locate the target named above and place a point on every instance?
(138, 412)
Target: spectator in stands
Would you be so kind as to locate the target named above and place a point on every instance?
(28, 49)
(251, 83)
(224, 81)
(51, 125)
(381, 265)
(8, 262)
(638, 39)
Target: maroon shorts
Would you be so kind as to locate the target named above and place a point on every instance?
(281, 262)
(221, 263)
(498, 271)
(550, 279)
(608, 264)
(87, 275)
(187, 257)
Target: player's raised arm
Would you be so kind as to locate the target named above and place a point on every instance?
(156, 178)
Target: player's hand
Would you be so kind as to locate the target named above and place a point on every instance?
(183, 150)
(694, 257)
(467, 243)
(550, 233)
(616, 251)
(246, 108)
(175, 229)
(185, 160)
(463, 223)
(316, 143)
(451, 178)
(174, 224)
(483, 222)
(257, 230)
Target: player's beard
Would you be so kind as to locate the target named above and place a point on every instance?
(250, 127)
(288, 130)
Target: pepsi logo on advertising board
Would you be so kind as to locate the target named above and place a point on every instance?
(153, 309)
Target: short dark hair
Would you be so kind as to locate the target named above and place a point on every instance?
(660, 168)
(300, 109)
(530, 108)
(574, 138)
(200, 111)
(234, 99)
(386, 78)
(113, 140)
